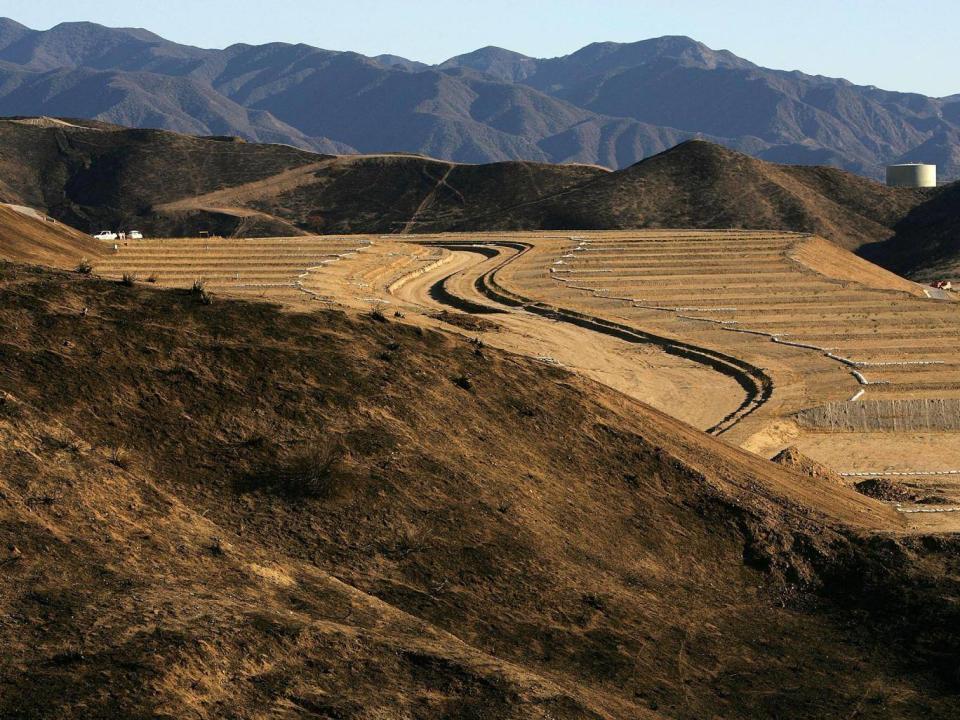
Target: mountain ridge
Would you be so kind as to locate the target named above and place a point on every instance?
(608, 103)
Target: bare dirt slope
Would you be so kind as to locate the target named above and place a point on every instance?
(226, 510)
(30, 238)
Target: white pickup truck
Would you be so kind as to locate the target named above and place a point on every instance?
(106, 235)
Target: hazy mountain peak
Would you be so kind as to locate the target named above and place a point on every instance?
(396, 61)
(496, 62)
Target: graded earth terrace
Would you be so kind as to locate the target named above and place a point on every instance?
(766, 339)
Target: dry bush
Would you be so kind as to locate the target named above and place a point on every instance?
(84, 267)
(308, 473)
(129, 279)
(120, 457)
(199, 291)
(377, 313)
(151, 278)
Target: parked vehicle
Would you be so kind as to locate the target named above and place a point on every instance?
(135, 235)
(106, 235)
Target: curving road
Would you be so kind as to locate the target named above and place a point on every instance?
(642, 366)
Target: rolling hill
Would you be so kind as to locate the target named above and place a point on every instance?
(607, 103)
(927, 241)
(226, 509)
(94, 175)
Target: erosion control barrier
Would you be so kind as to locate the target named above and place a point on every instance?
(884, 415)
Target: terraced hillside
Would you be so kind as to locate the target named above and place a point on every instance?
(261, 267)
(769, 339)
(95, 176)
(866, 375)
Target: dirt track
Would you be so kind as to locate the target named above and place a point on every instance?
(682, 387)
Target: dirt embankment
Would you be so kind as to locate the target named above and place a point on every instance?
(35, 239)
(214, 510)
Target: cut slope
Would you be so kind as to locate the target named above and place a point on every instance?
(32, 239)
(225, 510)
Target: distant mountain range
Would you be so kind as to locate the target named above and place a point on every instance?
(609, 104)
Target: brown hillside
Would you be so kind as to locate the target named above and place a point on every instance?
(224, 510)
(169, 184)
(701, 185)
(24, 238)
(927, 243)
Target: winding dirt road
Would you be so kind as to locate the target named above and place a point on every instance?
(445, 277)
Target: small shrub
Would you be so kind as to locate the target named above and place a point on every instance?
(462, 381)
(377, 313)
(128, 280)
(398, 314)
(199, 291)
(84, 267)
(151, 278)
(309, 473)
(119, 457)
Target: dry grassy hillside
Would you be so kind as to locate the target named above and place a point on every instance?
(216, 510)
(698, 184)
(927, 243)
(101, 176)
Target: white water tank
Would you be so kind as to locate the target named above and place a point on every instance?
(913, 175)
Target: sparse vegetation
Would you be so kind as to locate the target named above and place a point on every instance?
(120, 457)
(343, 582)
(84, 267)
(199, 291)
(128, 279)
(377, 312)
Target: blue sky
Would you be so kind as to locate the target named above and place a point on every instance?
(901, 45)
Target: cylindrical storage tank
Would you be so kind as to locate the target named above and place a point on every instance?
(914, 175)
